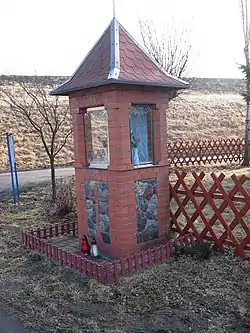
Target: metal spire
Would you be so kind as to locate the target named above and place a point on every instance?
(114, 70)
(114, 13)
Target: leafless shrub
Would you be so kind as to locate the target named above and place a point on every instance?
(65, 202)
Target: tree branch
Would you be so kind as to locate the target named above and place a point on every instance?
(41, 113)
(170, 52)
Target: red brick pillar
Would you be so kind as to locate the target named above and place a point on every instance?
(81, 202)
(122, 207)
(80, 163)
(122, 212)
(160, 134)
(161, 139)
(119, 136)
(79, 137)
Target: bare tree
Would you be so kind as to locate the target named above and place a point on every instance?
(171, 51)
(246, 71)
(42, 113)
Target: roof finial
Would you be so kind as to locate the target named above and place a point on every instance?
(114, 13)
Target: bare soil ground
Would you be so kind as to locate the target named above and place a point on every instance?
(183, 295)
(212, 109)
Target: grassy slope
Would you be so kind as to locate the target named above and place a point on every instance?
(198, 116)
(211, 110)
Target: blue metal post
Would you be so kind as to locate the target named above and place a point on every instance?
(12, 146)
(17, 182)
(11, 169)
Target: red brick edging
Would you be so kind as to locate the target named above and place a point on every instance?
(109, 272)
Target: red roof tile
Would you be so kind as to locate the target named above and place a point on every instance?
(117, 58)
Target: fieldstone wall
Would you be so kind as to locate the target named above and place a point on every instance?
(97, 209)
(104, 212)
(146, 210)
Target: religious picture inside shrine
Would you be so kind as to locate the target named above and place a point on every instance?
(96, 136)
(141, 134)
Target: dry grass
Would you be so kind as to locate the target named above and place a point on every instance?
(30, 152)
(183, 295)
(199, 116)
(193, 116)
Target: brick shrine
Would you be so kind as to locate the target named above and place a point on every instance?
(118, 100)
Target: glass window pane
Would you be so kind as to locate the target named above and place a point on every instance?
(141, 134)
(96, 133)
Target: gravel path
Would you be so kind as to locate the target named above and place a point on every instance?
(32, 177)
(8, 324)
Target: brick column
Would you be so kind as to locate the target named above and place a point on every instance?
(80, 162)
(163, 203)
(119, 136)
(79, 137)
(160, 134)
(163, 175)
(81, 203)
(122, 212)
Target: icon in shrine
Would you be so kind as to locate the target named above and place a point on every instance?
(141, 139)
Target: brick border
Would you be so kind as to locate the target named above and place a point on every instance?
(108, 273)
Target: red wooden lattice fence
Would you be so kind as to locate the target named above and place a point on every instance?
(206, 151)
(211, 210)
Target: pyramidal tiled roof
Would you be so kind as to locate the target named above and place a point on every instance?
(117, 58)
